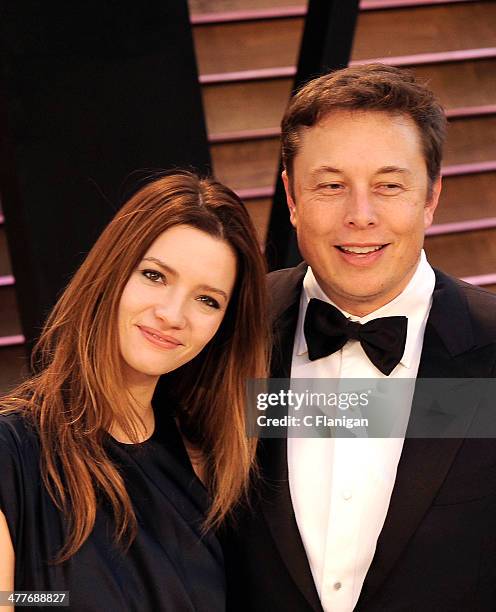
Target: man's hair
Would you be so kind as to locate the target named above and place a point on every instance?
(372, 87)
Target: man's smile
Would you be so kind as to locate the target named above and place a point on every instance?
(360, 249)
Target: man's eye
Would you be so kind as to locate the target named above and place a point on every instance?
(153, 275)
(208, 301)
(390, 187)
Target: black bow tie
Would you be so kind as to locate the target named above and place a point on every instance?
(327, 330)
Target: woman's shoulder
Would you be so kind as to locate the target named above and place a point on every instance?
(17, 433)
(19, 461)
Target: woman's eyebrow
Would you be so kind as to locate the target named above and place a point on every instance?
(213, 290)
(161, 264)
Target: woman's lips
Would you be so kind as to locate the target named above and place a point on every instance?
(158, 339)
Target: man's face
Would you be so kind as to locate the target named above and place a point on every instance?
(360, 205)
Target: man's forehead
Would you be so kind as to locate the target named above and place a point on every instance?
(350, 121)
(383, 142)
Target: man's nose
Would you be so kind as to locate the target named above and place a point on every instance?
(360, 210)
(172, 310)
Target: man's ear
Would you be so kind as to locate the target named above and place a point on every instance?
(432, 202)
(289, 198)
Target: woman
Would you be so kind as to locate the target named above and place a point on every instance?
(98, 496)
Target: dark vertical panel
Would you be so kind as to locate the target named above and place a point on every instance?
(326, 45)
(91, 91)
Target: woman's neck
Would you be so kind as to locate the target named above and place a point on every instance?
(196, 457)
(140, 394)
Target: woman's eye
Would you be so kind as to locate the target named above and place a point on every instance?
(153, 275)
(208, 301)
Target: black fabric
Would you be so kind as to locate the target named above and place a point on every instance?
(327, 330)
(169, 567)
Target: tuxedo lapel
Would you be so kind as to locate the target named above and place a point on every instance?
(424, 463)
(280, 517)
(285, 290)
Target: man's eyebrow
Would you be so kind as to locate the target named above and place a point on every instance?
(325, 169)
(175, 273)
(393, 170)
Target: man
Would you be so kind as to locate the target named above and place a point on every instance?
(369, 524)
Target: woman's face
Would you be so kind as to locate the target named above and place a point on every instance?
(174, 302)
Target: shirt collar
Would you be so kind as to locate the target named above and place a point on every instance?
(413, 302)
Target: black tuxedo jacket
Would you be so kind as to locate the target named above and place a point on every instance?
(437, 549)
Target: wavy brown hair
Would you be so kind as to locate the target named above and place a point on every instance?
(78, 391)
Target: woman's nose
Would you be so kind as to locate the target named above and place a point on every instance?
(172, 311)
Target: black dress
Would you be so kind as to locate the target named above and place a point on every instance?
(169, 567)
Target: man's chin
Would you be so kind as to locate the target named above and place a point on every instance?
(360, 298)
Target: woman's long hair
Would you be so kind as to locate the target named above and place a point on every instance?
(78, 391)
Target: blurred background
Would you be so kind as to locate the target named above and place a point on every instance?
(96, 96)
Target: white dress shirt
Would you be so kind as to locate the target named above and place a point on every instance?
(341, 487)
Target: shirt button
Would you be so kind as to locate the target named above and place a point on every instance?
(347, 494)
(337, 586)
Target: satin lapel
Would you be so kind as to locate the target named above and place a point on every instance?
(279, 515)
(424, 463)
(285, 290)
(282, 352)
